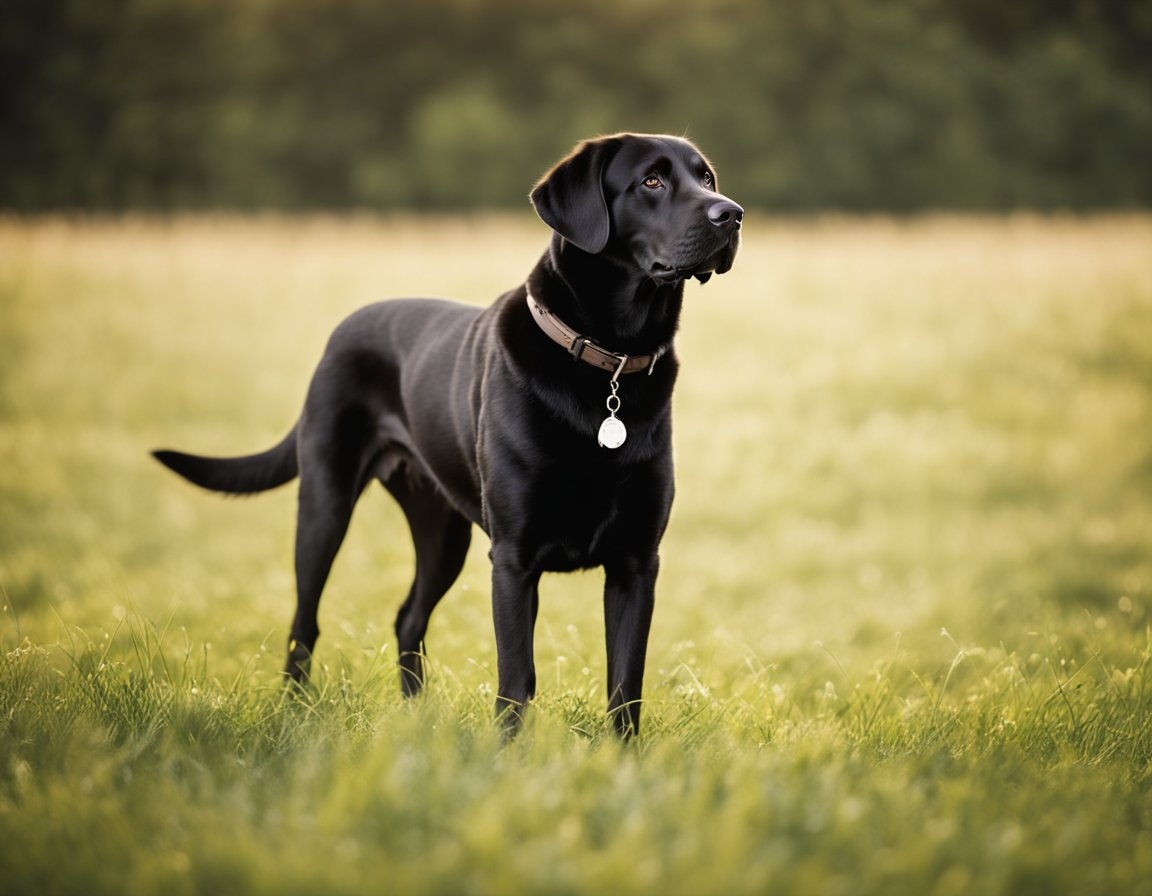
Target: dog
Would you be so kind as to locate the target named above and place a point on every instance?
(544, 419)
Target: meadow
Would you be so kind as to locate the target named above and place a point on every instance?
(903, 635)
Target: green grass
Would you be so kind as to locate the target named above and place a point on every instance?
(903, 640)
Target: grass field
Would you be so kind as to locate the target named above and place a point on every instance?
(903, 638)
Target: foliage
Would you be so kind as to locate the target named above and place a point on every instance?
(429, 104)
(902, 641)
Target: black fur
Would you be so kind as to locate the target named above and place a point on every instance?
(473, 416)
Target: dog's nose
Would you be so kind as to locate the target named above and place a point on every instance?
(726, 215)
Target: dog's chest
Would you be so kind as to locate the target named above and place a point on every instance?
(575, 538)
(579, 521)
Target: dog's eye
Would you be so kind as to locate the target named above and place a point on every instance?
(653, 182)
(708, 179)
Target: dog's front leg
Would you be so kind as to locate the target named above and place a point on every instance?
(515, 601)
(629, 596)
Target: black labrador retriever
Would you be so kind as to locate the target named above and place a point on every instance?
(545, 418)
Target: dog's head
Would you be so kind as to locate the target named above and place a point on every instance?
(647, 201)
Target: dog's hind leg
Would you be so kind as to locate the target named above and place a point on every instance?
(331, 481)
(440, 536)
(325, 510)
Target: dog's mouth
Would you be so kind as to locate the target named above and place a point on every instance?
(720, 262)
(666, 273)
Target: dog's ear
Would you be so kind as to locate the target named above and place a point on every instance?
(570, 198)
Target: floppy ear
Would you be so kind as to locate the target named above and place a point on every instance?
(570, 198)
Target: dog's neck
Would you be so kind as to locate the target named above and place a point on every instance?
(607, 300)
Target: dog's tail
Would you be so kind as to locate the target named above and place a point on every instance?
(237, 475)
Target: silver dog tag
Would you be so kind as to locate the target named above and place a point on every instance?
(612, 433)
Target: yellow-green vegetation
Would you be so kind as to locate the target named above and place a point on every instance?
(902, 640)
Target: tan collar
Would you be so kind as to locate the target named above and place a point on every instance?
(581, 348)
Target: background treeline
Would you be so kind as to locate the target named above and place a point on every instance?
(436, 104)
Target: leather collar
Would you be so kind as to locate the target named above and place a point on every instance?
(581, 348)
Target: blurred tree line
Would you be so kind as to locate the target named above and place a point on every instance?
(438, 104)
